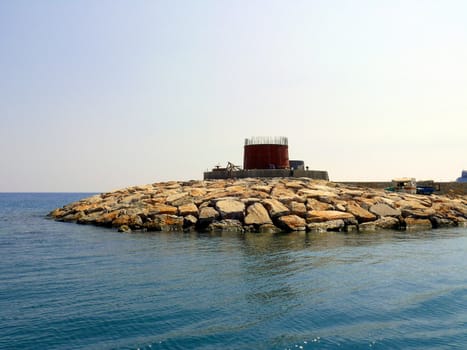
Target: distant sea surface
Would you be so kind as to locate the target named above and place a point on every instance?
(67, 286)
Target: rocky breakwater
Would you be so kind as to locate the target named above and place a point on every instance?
(263, 205)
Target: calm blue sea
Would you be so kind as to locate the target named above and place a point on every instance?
(66, 286)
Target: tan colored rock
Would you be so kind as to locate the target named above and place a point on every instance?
(197, 192)
(313, 204)
(231, 209)
(413, 223)
(388, 223)
(326, 215)
(262, 188)
(296, 185)
(256, 194)
(385, 223)
(174, 198)
(182, 201)
(189, 222)
(292, 223)
(340, 207)
(162, 209)
(282, 191)
(215, 195)
(366, 203)
(316, 193)
(227, 225)
(235, 189)
(298, 208)
(257, 215)
(418, 213)
(172, 185)
(366, 227)
(361, 214)
(188, 209)
(331, 225)
(275, 208)
(164, 222)
(131, 199)
(381, 210)
(124, 229)
(410, 204)
(106, 219)
(58, 213)
(455, 206)
(133, 221)
(208, 214)
(352, 193)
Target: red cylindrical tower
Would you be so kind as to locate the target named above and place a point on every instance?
(266, 153)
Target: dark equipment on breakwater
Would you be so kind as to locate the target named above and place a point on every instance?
(427, 187)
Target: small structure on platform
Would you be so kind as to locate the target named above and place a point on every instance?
(403, 184)
(463, 177)
(266, 157)
(410, 185)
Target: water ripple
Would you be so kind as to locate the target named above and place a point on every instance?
(71, 287)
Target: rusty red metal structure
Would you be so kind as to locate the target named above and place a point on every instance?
(266, 153)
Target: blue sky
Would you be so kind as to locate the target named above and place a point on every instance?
(99, 95)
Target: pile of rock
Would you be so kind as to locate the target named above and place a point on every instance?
(263, 205)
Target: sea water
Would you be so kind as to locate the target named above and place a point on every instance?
(67, 286)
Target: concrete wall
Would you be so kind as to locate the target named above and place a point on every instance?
(313, 174)
(440, 187)
(452, 187)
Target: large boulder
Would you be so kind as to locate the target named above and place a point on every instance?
(179, 199)
(381, 210)
(297, 208)
(388, 223)
(415, 224)
(207, 215)
(231, 209)
(292, 223)
(411, 204)
(164, 222)
(418, 213)
(279, 191)
(331, 225)
(314, 204)
(275, 208)
(188, 209)
(385, 223)
(327, 215)
(317, 194)
(133, 221)
(162, 209)
(361, 214)
(189, 221)
(227, 225)
(257, 215)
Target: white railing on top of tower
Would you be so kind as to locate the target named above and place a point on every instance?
(267, 140)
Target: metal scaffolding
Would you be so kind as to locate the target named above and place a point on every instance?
(267, 140)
